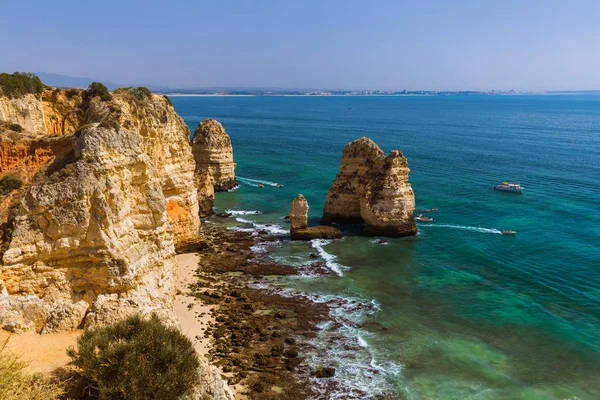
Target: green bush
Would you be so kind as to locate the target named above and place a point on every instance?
(70, 93)
(8, 183)
(97, 89)
(20, 83)
(17, 384)
(110, 124)
(137, 359)
(15, 128)
(139, 92)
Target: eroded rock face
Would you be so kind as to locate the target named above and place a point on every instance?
(165, 139)
(26, 110)
(206, 193)
(372, 189)
(299, 229)
(299, 213)
(213, 153)
(96, 228)
(63, 113)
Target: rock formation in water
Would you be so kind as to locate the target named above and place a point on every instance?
(372, 189)
(213, 152)
(299, 213)
(299, 229)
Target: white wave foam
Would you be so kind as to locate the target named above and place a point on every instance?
(362, 342)
(329, 258)
(240, 229)
(242, 212)
(273, 229)
(467, 228)
(254, 182)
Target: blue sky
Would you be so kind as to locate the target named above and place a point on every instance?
(435, 45)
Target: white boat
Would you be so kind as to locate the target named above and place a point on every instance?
(509, 187)
(423, 219)
(507, 232)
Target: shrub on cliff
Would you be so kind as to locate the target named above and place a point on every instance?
(110, 124)
(17, 384)
(8, 183)
(96, 89)
(20, 83)
(137, 359)
(139, 92)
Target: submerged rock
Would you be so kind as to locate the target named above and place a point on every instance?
(372, 189)
(299, 229)
(324, 372)
(213, 153)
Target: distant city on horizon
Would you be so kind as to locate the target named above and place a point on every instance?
(66, 81)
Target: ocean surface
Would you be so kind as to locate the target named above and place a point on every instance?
(459, 311)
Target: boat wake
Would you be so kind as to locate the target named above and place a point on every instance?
(466, 228)
(254, 182)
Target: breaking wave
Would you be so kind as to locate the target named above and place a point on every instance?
(329, 258)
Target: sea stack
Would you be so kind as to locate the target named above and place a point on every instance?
(299, 229)
(372, 189)
(299, 213)
(213, 153)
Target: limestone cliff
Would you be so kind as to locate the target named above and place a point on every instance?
(213, 152)
(165, 139)
(299, 229)
(372, 189)
(93, 235)
(63, 110)
(55, 111)
(26, 110)
(206, 193)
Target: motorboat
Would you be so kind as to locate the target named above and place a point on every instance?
(423, 219)
(507, 232)
(509, 187)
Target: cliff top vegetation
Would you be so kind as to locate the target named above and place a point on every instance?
(20, 83)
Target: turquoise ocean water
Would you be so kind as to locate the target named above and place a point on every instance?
(459, 311)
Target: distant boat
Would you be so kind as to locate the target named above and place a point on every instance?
(507, 232)
(509, 187)
(423, 219)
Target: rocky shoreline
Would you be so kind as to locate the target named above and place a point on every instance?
(259, 337)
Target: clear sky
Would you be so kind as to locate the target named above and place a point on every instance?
(387, 44)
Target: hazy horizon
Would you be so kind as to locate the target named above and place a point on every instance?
(386, 45)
